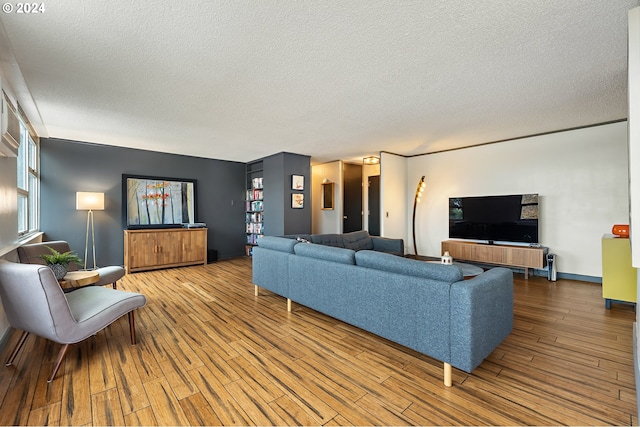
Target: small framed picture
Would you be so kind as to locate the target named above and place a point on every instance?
(297, 182)
(297, 201)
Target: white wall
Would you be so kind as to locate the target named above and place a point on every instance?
(8, 191)
(8, 204)
(580, 175)
(634, 134)
(326, 221)
(8, 209)
(8, 220)
(393, 197)
(633, 74)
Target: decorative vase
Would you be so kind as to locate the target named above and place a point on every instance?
(59, 270)
(621, 230)
(446, 258)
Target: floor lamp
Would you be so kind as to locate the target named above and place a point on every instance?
(416, 199)
(91, 202)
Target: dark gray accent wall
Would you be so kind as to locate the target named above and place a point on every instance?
(280, 218)
(68, 166)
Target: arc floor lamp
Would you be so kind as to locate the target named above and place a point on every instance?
(416, 200)
(91, 202)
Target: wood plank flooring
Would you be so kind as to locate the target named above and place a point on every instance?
(211, 353)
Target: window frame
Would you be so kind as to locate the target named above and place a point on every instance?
(28, 185)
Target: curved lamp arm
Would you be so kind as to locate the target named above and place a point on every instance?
(416, 199)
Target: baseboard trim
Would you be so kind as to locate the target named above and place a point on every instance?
(570, 276)
(580, 277)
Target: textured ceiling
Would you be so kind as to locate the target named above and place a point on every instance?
(334, 79)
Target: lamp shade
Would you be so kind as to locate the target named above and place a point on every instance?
(89, 201)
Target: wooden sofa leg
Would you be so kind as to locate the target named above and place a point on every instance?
(17, 348)
(132, 326)
(289, 304)
(61, 354)
(447, 374)
(255, 290)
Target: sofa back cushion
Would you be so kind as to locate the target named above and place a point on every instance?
(358, 240)
(298, 237)
(407, 266)
(328, 240)
(281, 244)
(327, 253)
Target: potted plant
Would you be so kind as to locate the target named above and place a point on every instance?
(59, 261)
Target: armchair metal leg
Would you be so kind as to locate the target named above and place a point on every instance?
(132, 327)
(61, 354)
(17, 348)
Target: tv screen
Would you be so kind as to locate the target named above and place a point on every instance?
(512, 218)
(158, 202)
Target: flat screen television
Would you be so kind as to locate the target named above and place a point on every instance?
(512, 218)
(158, 202)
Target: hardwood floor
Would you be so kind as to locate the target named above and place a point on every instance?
(210, 353)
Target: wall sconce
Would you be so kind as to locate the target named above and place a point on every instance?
(91, 202)
(371, 160)
(416, 199)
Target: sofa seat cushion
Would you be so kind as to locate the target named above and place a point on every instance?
(411, 267)
(327, 253)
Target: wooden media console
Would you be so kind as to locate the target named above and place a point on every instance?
(150, 249)
(505, 255)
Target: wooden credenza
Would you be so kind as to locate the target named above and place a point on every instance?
(506, 255)
(162, 248)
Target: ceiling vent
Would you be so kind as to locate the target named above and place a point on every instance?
(10, 126)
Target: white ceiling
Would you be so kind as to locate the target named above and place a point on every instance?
(333, 79)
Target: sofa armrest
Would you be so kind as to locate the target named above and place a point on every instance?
(386, 244)
(280, 244)
(481, 316)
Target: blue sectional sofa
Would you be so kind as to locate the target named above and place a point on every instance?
(424, 306)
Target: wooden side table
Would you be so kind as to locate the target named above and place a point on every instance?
(74, 279)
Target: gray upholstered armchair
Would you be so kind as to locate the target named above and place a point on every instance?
(30, 254)
(35, 303)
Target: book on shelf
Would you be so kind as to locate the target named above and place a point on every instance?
(254, 217)
(256, 182)
(254, 195)
(252, 239)
(256, 206)
(254, 227)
